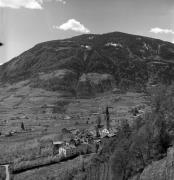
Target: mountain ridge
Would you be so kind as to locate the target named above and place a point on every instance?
(122, 55)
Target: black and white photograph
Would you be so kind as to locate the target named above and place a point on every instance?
(86, 89)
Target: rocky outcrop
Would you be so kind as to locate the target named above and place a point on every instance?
(160, 170)
(155, 171)
(92, 83)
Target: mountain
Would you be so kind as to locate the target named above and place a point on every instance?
(129, 60)
(37, 110)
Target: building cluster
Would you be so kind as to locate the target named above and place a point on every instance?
(75, 138)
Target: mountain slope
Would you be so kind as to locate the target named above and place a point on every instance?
(128, 58)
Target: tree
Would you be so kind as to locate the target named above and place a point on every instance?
(138, 148)
(121, 159)
(22, 126)
(97, 131)
(162, 136)
(107, 118)
(142, 140)
(98, 121)
(125, 129)
(162, 104)
(98, 126)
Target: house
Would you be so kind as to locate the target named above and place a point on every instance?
(93, 133)
(62, 151)
(56, 146)
(104, 133)
(97, 140)
(111, 134)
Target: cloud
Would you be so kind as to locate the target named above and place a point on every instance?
(73, 25)
(62, 1)
(161, 31)
(29, 4)
(16, 4)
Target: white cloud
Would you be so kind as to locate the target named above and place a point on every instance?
(161, 31)
(62, 1)
(29, 4)
(73, 25)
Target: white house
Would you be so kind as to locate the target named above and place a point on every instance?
(62, 151)
(104, 133)
(56, 146)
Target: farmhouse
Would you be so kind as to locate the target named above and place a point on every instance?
(56, 146)
(62, 151)
(104, 133)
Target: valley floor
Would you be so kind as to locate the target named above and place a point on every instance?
(44, 114)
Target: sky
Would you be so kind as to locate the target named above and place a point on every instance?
(25, 23)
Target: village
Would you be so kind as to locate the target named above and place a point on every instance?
(73, 137)
(74, 141)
